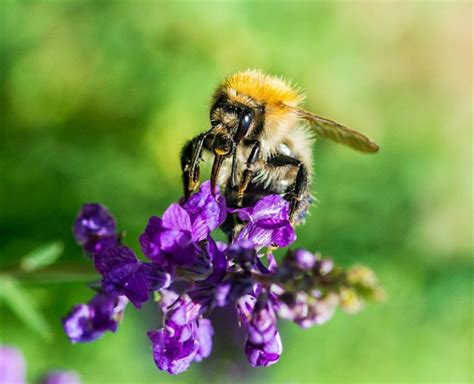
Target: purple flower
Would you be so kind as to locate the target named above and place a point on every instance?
(267, 223)
(263, 355)
(244, 306)
(207, 212)
(12, 365)
(272, 263)
(123, 274)
(200, 268)
(216, 255)
(293, 306)
(168, 298)
(204, 332)
(87, 322)
(325, 266)
(61, 377)
(307, 310)
(262, 325)
(185, 337)
(222, 293)
(95, 228)
(269, 207)
(171, 239)
(232, 289)
(243, 252)
(175, 238)
(184, 311)
(304, 260)
(263, 346)
(174, 348)
(319, 311)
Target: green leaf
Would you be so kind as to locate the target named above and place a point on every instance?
(20, 302)
(42, 257)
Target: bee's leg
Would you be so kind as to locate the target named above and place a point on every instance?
(248, 172)
(299, 190)
(190, 157)
(300, 185)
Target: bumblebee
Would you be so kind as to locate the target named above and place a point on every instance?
(261, 139)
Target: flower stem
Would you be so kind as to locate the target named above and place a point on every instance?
(58, 273)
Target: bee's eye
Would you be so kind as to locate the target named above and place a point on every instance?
(244, 125)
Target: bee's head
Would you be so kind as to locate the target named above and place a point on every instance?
(236, 120)
(231, 123)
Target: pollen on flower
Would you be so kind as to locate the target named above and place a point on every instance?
(189, 274)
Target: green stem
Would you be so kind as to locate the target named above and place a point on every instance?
(59, 273)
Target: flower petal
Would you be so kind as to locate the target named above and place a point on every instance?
(284, 236)
(150, 243)
(260, 237)
(136, 289)
(156, 276)
(204, 332)
(170, 354)
(206, 210)
(271, 207)
(172, 240)
(264, 355)
(116, 263)
(218, 260)
(177, 218)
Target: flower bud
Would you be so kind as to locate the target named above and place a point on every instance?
(95, 228)
(61, 377)
(243, 253)
(304, 259)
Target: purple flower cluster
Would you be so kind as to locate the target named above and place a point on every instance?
(95, 230)
(195, 274)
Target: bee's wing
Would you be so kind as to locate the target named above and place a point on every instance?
(329, 129)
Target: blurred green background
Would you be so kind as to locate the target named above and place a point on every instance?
(98, 97)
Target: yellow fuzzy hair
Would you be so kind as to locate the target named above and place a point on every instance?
(264, 89)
